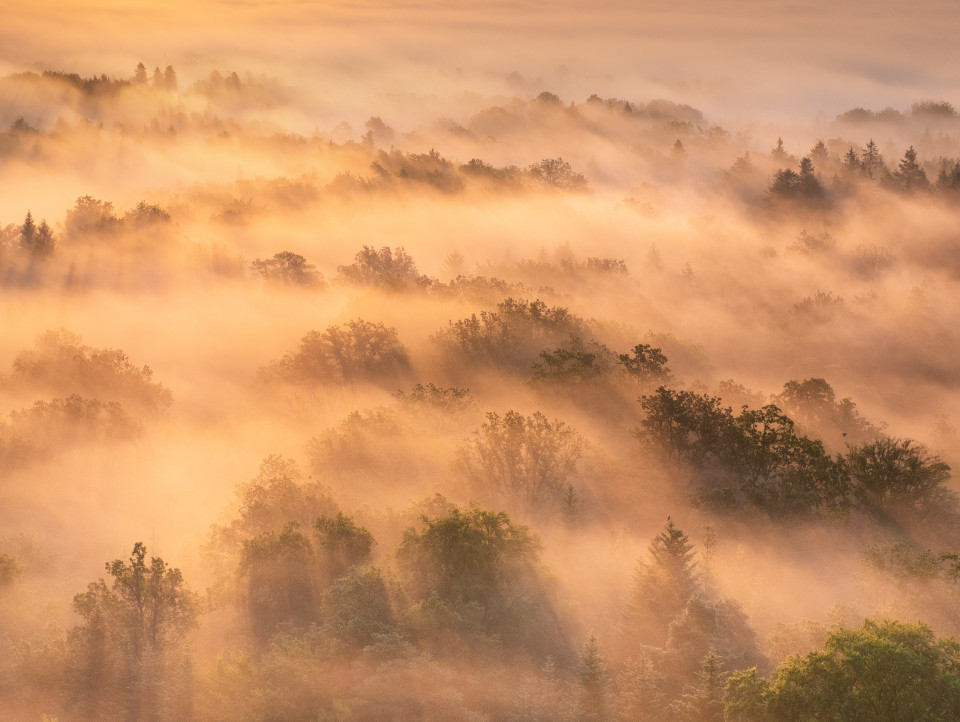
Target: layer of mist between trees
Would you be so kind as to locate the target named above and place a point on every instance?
(562, 410)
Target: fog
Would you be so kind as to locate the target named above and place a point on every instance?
(461, 363)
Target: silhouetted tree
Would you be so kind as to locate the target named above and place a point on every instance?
(910, 175)
(288, 268)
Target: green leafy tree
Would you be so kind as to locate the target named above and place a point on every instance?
(884, 670)
(342, 544)
(574, 365)
(475, 573)
(689, 427)
(745, 697)
(893, 476)
(357, 609)
(279, 581)
(127, 659)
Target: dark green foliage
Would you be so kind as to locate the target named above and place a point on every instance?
(526, 460)
(467, 555)
(574, 365)
(910, 177)
(475, 573)
(127, 659)
(755, 456)
(287, 268)
(356, 608)
(884, 670)
(342, 544)
(59, 364)
(894, 476)
(387, 268)
(802, 187)
(689, 427)
(356, 351)
(278, 576)
(745, 697)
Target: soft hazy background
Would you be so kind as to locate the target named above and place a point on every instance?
(328, 130)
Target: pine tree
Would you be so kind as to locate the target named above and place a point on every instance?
(662, 585)
(704, 702)
(43, 242)
(170, 78)
(872, 162)
(140, 74)
(593, 679)
(639, 696)
(28, 232)
(851, 162)
(910, 175)
(778, 153)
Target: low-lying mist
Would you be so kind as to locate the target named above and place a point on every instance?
(547, 383)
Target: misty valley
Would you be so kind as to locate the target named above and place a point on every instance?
(488, 403)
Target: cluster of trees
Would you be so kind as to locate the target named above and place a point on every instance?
(757, 457)
(856, 166)
(98, 395)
